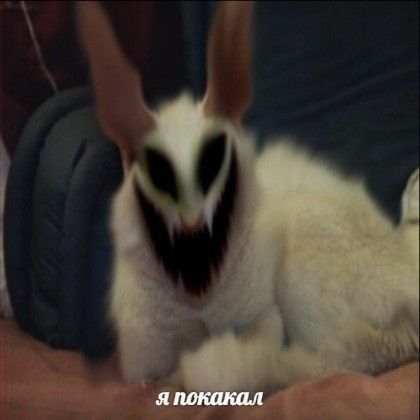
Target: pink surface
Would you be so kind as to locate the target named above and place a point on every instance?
(41, 383)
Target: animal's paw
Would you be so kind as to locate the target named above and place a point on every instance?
(219, 365)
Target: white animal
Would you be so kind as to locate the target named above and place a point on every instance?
(214, 241)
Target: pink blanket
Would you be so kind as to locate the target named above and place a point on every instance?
(41, 383)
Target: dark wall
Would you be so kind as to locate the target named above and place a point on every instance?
(342, 77)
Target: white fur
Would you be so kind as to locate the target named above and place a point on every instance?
(339, 263)
(149, 312)
(347, 287)
(309, 255)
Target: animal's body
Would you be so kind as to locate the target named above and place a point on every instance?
(214, 241)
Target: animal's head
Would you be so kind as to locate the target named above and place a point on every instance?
(185, 158)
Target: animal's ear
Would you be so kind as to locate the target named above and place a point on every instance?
(229, 56)
(120, 105)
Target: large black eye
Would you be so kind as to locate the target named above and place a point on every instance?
(211, 160)
(161, 172)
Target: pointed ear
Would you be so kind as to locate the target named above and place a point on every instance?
(120, 105)
(229, 51)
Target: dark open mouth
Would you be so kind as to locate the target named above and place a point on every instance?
(191, 257)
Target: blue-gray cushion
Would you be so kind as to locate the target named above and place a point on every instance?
(57, 244)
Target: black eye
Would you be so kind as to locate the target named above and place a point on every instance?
(211, 160)
(161, 173)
